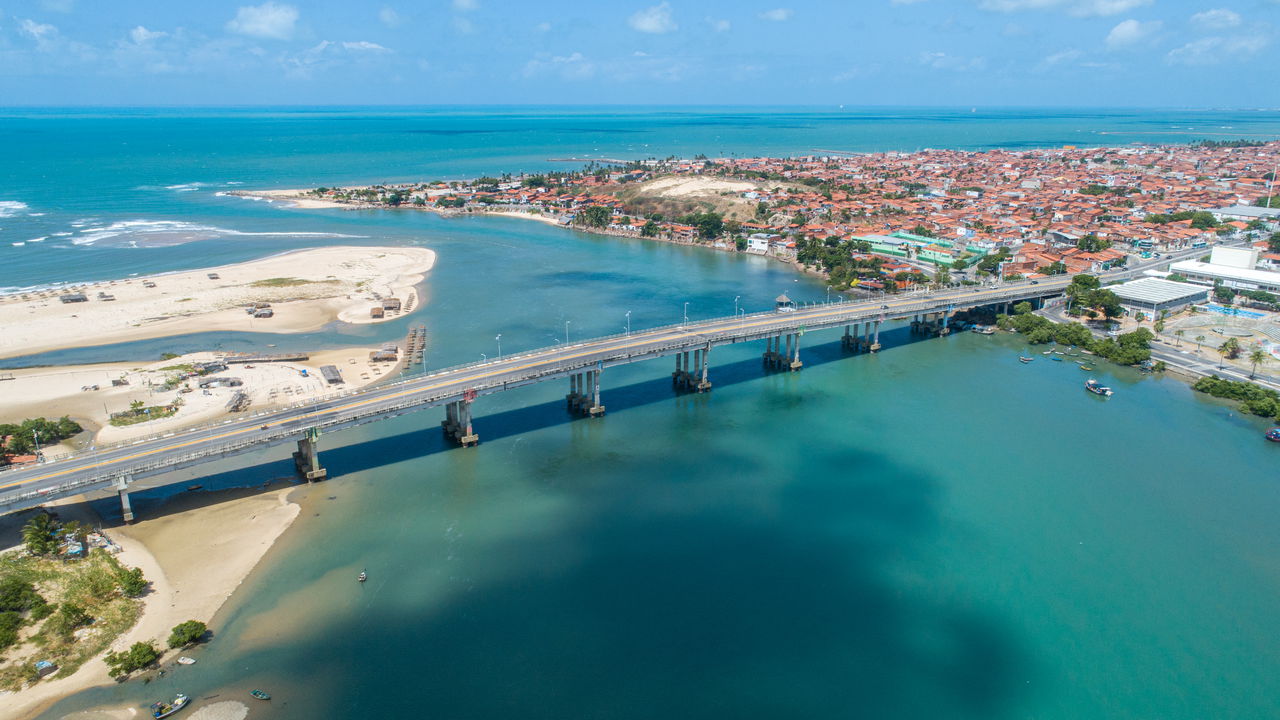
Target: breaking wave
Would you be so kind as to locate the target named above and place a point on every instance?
(9, 208)
(160, 233)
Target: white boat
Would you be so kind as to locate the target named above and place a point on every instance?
(184, 660)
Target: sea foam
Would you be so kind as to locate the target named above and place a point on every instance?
(158, 233)
(10, 208)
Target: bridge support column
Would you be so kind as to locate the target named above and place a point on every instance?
(703, 383)
(307, 458)
(946, 323)
(845, 339)
(122, 489)
(794, 358)
(595, 409)
(457, 423)
(875, 341)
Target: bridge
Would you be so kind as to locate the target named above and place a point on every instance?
(456, 388)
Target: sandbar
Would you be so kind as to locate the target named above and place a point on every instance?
(306, 289)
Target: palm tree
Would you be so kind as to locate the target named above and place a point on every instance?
(1257, 357)
(1199, 339)
(38, 534)
(1179, 334)
(1229, 350)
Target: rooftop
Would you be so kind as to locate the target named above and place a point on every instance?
(1157, 291)
(1230, 273)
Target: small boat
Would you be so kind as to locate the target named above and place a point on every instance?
(1273, 434)
(1086, 368)
(1025, 359)
(260, 694)
(184, 660)
(1092, 386)
(165, 709)
(362, 576)
(1055, 358)
(1047, 352)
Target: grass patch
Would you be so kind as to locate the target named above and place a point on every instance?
(281, 282)
(91, 584)
(141, 415)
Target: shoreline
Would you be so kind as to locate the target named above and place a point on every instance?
(306, 290)
(239, 526)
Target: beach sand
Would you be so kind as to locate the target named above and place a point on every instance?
(307, 290)
(52, 392)
(196, 549)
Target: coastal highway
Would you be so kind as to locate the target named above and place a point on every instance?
(109, 467)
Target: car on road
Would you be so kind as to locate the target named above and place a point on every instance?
(1035, 282)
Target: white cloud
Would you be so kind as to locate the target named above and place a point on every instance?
(567, 67)
(364, 46)
(1078, 8)
(943, 61)
(389, 17)
(268, 20)
(719, 25)
(1131, 32)
(656, 19)
(142, 36)
(1059, 58)
(1217, 19)
(40, 32)
(776, 14)
(59, 6)
(1217, 49)
(466, 5)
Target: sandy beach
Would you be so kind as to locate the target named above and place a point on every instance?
(173, 545)
(89, 394)
(307, 290)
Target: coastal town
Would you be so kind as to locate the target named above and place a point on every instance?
(898, 219)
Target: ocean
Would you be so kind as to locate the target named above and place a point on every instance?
(933, 531)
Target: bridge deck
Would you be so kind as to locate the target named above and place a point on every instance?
(96, 470)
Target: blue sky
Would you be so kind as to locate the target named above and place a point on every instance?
(856, 52)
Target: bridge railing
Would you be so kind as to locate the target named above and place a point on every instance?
(863, 309)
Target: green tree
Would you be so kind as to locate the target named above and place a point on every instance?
(1273, 242)
(138, 656)
(1054, 268)
(1257, 356)
(136, 406)
(1179, 334)
(1092, 243)
(1022, 308)
(1199, 340)
(187, 633)
(596, 216)
(131, 582)
(649, 229)
(18, 595)
(39, 534)
(1230, 350)
(67, 619)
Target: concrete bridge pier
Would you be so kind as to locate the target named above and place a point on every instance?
(457, 423)
(703, 384)
(574, 400)
(121, 487)
(846, 340)
(946, 323)
(875, 341)
(794, 357)
(307, 458)
(594, 408)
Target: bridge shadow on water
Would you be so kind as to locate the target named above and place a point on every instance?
(151, 498)
(783, 598)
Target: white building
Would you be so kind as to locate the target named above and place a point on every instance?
(1152, 295)
(1232, 277)
(1242, 258)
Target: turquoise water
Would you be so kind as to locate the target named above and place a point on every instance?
(934, 531)
(1239, 312)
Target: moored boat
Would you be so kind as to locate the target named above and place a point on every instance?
(1092, 386)
(362, 576)
(1086, 368)
(260, 694)
(164, 709)
(184, 660)
(1273, 434)
(1025, 359)
(1055, 358)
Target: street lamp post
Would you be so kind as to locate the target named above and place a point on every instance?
(686, 312)
(566, 332)
(499, 339)
(484, 358)
(628, 323)
(735, 304)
